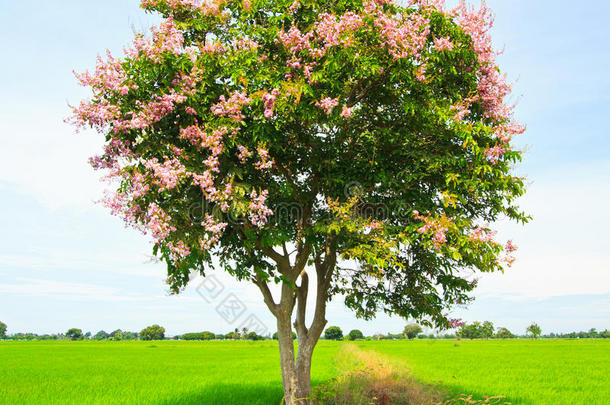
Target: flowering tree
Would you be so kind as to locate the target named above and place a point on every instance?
(358, 140)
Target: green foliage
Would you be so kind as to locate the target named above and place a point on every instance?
(534, 330)
(74, 334)
(355, 334)
(154, 332)
(254, 336)
(412, 330)
(333, 333)
(3, 328)
(504, 333)
(487, 329)
(477, 330)
(402, 147)
(101, 335)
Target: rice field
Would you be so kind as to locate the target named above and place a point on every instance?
(540, 372)
(243, 372)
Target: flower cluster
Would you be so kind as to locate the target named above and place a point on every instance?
(269, 102)
(265, 162)
(167, 174)
(259, 212)
(158, 222)
(438, 228)
(231, 107)
(327, 104)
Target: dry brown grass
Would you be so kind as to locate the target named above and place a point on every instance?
(368, 378)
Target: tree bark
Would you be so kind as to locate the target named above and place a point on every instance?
(296, 373)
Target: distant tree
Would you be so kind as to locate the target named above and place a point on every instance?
(504, 333)
(533, 330)
(253, 336)
(333, 333)
(192, 336)
(232, 335)
(116, 335)
(74, 334)
(412, 330)
(220, 336)
(487, 329)
(593, 333)
(130, 335)
(154, 332)
(2, 329)
(355, 334)
(472, 331)
(101, 335)
(208, 336)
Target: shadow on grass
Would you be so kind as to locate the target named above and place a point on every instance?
(229, 394)
(239, 393)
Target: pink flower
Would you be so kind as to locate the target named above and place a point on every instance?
(494, 154)
(443, 44)
(346, 112)
(265, 161)
(269, 102)
(509, 247)
(244, 153)
(259, 212)
(327, 104)
(456, 323)
(231, 107)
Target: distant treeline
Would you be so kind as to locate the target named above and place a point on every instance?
(474, 330)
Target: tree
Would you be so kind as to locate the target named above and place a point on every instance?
(154, 332)
(2, 329)
(333, 333)
(533, 330)
(355, 334)
(208, 336)
(117, 335)
(275, 336)
(253, 336)
(504, 333)
(74, 334)
(487, 329)
(288, 139)
(412, 330)
(472, 331)
(101, 335)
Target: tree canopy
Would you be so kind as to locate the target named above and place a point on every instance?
(412, 330)
(333, 333)
(154, 332)
(534, 330)
(368, 140)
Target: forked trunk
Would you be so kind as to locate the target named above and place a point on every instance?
(296, 375)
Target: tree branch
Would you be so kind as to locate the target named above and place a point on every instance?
(267, 296)
(301, 293)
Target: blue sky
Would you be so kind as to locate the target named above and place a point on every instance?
(65, 262)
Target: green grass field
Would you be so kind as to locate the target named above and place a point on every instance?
(540, 372)
(525, 372)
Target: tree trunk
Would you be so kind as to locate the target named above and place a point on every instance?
(296, 375)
